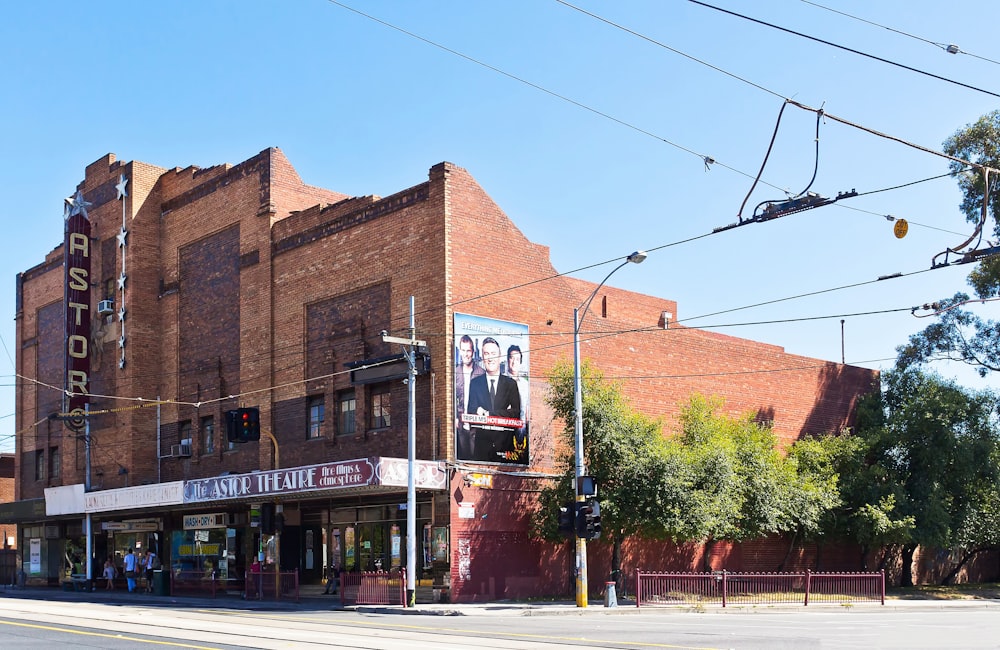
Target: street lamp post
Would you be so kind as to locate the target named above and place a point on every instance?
(578, 315)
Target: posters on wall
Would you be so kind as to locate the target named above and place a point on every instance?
(492, 390)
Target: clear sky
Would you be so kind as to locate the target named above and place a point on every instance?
(590, 134)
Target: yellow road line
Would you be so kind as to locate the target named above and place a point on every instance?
(106, 636)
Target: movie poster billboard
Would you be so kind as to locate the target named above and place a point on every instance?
(491, 390)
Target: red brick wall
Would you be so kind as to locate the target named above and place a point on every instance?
(317, 276)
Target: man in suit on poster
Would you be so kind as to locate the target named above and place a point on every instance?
(465, 370)
(493, 394)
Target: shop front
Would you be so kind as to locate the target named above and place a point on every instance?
(317, 520)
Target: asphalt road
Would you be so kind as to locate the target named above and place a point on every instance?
(31, 623)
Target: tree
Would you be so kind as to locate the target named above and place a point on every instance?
(742, 487)
(958, 334)
(930, 451)
(624, 452)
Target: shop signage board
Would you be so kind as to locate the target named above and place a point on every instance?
(141, 496)
(209, 520)
(356, 473)
(131, 526)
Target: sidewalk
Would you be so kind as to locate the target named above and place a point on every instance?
(314, 600)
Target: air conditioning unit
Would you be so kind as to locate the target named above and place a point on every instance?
(182, 450)
(106, 307)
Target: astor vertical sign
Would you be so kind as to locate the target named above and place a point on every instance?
(77, 288)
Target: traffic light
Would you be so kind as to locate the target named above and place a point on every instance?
(243, 425)
(567, 513)
(588, 520)
(594, 529)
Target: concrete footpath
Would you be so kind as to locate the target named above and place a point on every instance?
(314, 600)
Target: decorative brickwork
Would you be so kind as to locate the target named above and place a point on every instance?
(248, 287)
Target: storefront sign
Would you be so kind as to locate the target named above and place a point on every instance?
(64, 500)
(199, 548)
(362, 472)
(131, 526)
(160, 494)
(427, 475)
(77, 295)
(211, 520)
(343, 474)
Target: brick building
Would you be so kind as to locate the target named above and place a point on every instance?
(211, 289)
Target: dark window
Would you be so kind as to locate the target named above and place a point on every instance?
(184, 433)
(208, 435)
(317, 413)
(55, 463)
(346, 417)
(39, 464)
(380, 418)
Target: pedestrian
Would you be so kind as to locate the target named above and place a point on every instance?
(131, 566)
(332, 579)
(109, 574)
(149, 564)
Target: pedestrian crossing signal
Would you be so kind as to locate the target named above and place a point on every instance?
(588, 520)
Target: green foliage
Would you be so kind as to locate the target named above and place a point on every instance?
(928, 459)
(959, 334)
(624, 452)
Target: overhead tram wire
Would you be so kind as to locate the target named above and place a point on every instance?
(845, 48)
(150, 402)
(947, 47)
(580, 105)
(667, 47)
(703, 157)
(707, 159)
(684, 241)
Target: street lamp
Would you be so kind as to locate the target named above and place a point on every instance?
(578, 314)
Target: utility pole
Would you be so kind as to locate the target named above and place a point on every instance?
(411, 453)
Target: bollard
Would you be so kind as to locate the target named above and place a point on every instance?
(610, 597)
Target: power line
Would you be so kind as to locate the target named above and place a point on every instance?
(708, 160)
(847, 49)
(667, 47)
(950, 48)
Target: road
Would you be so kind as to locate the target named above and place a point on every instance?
(26, 623)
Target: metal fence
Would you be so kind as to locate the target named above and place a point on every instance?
(263, 586)
(724, 587)
(373, 588)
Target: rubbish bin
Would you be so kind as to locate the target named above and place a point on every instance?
(161, 585)
(610, 597)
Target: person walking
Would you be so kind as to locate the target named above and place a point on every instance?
(109, 574)
(149, 565)
(131, 566)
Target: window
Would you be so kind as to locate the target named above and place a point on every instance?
(380, 407)
(55, 463)
(208, 435)
(348, 404)
(317, 413)
(184, 433)
(39, 464)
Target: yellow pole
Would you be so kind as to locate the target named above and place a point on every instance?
(277, 509)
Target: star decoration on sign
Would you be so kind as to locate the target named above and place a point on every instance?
(121, 363)
(122, 182)
(78, 205)
(121, 282)
(121, 342)
(122, 234)
(121, 314)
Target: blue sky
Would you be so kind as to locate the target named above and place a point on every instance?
(591, 137)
